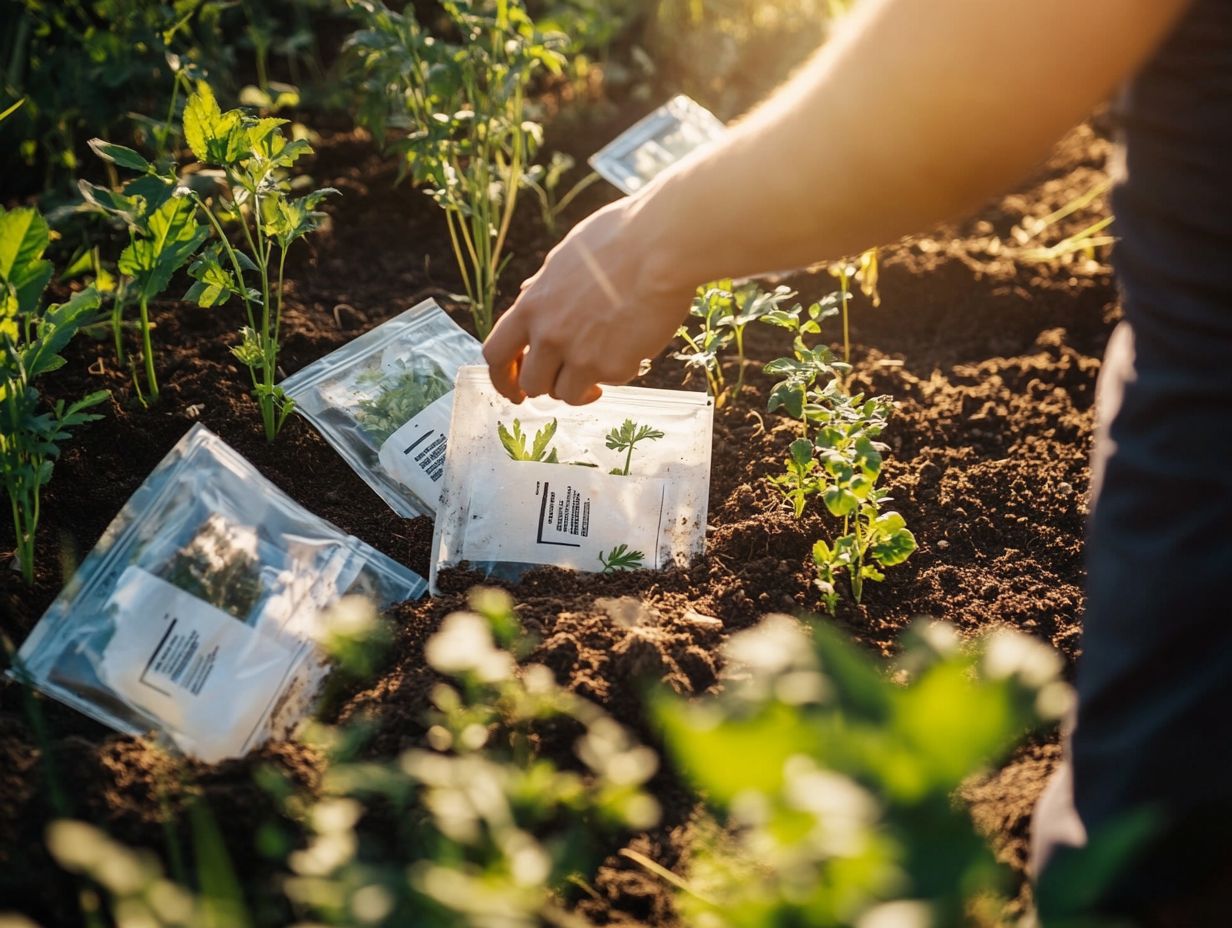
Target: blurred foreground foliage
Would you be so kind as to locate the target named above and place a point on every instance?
(828, 785)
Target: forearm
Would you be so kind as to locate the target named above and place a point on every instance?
(914, 113)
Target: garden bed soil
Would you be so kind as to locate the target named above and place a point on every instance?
(992, 363)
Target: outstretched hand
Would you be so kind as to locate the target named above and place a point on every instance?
(601, 303)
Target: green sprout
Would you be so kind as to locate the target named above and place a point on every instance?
(545, 180)
(725, 311)
(164, 234)
(464, 94)
(31, 339)
(621, 557)
(626, 438)
(514, 443)
(254, 156)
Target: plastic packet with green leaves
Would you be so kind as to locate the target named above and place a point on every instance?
(622, 483)
(656, 142)
(196, 615)
(383, 402)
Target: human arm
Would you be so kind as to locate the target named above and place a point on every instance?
(913, 113)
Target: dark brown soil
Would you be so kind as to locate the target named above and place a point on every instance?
(993, 364)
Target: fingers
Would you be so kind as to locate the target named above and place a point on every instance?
(576, 387)
(504, 351)
(540, 366)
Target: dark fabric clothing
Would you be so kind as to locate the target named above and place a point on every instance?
(1154, 722)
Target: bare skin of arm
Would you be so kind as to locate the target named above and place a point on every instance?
(915, 112)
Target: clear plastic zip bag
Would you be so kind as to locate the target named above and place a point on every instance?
(622, 483)
(656, 142)
(383, 402)
(196, 613)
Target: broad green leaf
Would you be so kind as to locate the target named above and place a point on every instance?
(56, 328)
(122, 205)
(118, 154)
(894, 548)
(714, 751)
(24, 236)
(840, 501)
(174, 235)
(215, 137)
(152, 189)
(801, 451)
(788, 397)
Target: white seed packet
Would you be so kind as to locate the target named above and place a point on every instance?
(656, 142)
(579, 496)
(195, 615)
(383, 402)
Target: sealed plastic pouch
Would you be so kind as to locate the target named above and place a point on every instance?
(621, 483)
(195, 615)
(656, 142)
(383, 402)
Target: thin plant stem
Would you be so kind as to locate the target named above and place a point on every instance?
(147, 347)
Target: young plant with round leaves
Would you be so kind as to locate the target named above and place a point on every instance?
(850, 466)
(31, 339)
(253, 155)
(796, 393)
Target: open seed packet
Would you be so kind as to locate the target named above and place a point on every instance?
(656, 142)
(622, 483)
(383, 402)
(195, 614)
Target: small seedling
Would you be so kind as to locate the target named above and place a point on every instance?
(850, 465)
(514, 443)
(164, 234)
(864, 271)
(626, 438)
(725, 312)
(465, 97)
(545, 180)
(254, 156)
(31, 436)
(621, 557)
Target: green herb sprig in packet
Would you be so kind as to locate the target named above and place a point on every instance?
(383, 402)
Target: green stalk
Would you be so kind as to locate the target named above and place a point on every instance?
(628, 460)
(857, 575)
(25, 545)
(845, 296)
(235, 261)
(740, 360)
(147, 347)
(264, 400)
